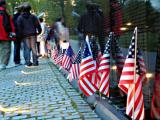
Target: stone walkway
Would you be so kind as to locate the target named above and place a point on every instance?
(40, 93)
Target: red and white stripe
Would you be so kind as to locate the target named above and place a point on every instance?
(87, 69)
(142, 67)
(86, 86)
(54, 53)
(74, 72)
(58, 60)
(88, 66)
(133, 89)
(104, 70)
(95, 79)
(66, 62)
(127, 76)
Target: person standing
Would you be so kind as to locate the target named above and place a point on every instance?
(91, 24)
(29, 27)
(7, 31)
(42, 38)
(61, 33)
(17, 42)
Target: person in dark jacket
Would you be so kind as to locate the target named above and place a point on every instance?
(7, 31)
(28, 28)
(17, 42)
(91, 24)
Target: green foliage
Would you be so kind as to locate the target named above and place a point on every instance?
(50, 7)
(53, 9)
(69, 17)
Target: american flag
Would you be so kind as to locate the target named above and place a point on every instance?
(75, 69)
(97, 80)
(58, 60)
(95, 52)
(155, 109)
(54, 53)
(68, 58)
(87, 68)
(104, 70)
(94, 47)
(131, 82)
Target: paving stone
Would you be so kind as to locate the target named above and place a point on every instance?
(93, 119)
(19, 117)
(44, 99)
(56, 118)
(44, 117)
(84, 110)
(38, 114)
(30, 119)
(72, 117)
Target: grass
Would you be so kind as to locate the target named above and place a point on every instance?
(74, 104)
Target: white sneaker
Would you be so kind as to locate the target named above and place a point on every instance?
(28, 66)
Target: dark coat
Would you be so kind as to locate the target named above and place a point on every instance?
(91, 23)
(28, 25)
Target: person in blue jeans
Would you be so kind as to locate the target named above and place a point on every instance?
(28, 28)
(17, 42)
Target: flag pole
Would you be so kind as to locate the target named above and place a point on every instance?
(135, 61)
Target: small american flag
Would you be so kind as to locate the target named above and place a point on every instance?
(75, 69)
(131, 86)
(68, 58)
(54, 53)
(87, 68)
(58, 60)
(104, 70)
(94, 48)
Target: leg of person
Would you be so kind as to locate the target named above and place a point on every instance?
(38, 48)
(27, 50)
(34, 50)
(17, 47)
(42, 48)
(5, 51)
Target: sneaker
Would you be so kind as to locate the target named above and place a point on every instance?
(18, 64)
(28, 65)
(35, 64)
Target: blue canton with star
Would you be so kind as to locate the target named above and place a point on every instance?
(94, 47)
(86, 52)
(107, 47)
(78, 58)
(69, 52)
(132, 54)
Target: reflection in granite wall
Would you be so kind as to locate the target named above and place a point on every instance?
(145, 14)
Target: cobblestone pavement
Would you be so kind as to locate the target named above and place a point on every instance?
(40, 93)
